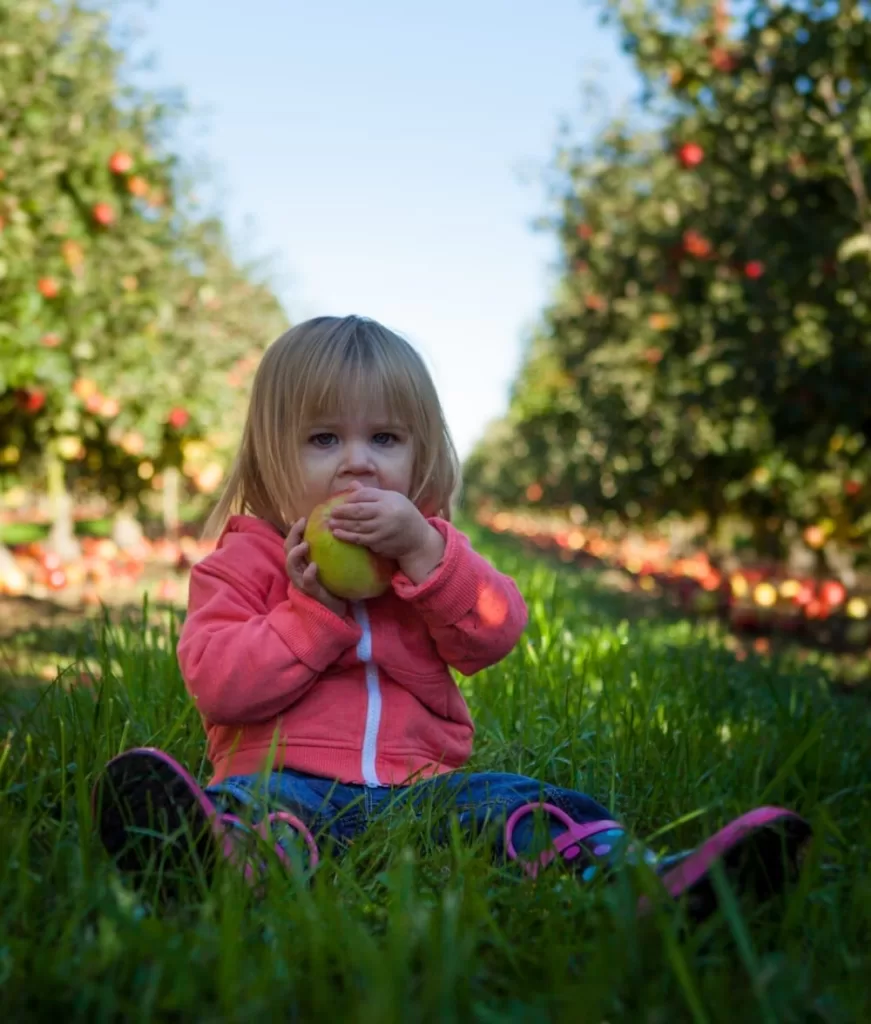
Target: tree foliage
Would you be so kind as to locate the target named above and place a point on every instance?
(127, 329)
(708, 346)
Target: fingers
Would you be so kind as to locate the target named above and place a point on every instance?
(297, 562)
(294, 534)
(353, 510)
(303, 574)
(354, 536)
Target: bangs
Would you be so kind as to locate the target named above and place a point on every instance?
(361, 379)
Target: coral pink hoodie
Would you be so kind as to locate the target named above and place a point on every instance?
(363, 699)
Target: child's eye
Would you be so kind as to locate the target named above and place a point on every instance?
(322, 440)
(384, 437)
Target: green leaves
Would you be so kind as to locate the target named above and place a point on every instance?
(143, 304)
(715, 309)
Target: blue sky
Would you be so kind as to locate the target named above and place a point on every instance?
(388, 154)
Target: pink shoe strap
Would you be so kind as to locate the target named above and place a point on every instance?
(567, 844)
(299, 826)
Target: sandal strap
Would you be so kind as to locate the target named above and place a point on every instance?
(568, 844)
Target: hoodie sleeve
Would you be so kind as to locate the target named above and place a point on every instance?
(474, 613)
(244, 664)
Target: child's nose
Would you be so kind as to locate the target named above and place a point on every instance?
(358, 457)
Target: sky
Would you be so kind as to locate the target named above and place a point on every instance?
(388, 157)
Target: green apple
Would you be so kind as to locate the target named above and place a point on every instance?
(349, 571)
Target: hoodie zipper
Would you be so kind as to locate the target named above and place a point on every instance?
(373, 697)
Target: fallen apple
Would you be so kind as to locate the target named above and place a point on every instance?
(347, 570)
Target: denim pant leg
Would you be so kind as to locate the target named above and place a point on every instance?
(483, 801)
(330, 810)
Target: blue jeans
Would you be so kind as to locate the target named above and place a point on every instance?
(481, 801)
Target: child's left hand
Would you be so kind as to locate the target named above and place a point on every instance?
(387, 523)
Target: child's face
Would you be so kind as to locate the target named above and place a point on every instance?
(368, 448)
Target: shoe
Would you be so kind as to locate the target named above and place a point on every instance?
(760, 852)
(151, 812)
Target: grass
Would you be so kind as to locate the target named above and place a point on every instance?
(652, 717)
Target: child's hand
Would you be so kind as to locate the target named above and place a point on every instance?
(387, 523)
(304, 574)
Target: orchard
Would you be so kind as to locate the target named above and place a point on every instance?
(128, 332)
(707, 350)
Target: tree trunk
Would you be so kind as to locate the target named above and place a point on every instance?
(127, 531)
(171, 491)
(62, 539)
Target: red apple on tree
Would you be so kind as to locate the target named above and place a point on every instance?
(103, 214)
(832, 593)
(695, 244)
(754, 269)
(690, 154)
(30, 400)
(48, 287)
(50, 340)
(178, 418)
(120, 162)
(723, 60)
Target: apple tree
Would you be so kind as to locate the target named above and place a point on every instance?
(126, 327)
(707, 346)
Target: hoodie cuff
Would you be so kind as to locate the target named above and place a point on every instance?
(451, 589)
(314, 634)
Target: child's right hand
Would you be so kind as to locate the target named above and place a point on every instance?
(304, 574)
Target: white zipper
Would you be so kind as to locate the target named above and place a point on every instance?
(373, 694)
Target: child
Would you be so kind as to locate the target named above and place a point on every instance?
(320, 712)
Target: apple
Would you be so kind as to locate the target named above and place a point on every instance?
(696, 244)
(659, 321)
(30, 400)
(84, 388)
(832, 593)
(120, 162)
(178, 417)
(50, 340)
(347, 570)
(73, 254)
(138, 186)
(723, 60)
(133, 443)
(754, 269)
(69, 447)
(103, 214)
(691, 154)
(48, 287)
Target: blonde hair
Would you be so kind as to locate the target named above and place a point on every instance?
(314, 370)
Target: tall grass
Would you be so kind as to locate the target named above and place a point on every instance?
(650, 717)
